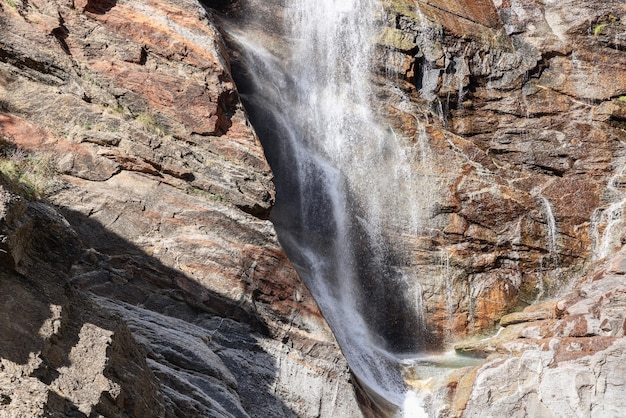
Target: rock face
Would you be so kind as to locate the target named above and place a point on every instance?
(515, 112)
(524, 131)
(524, 119)
(61, 355)
(561, 357)
(151, 283)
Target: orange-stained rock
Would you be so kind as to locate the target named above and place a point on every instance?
(521, 140)
(587, 332)
(513, 111)
(482, 12)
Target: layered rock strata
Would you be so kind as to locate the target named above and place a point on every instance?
(175, 282)
(524, 117)
(519, 107)
(154, 262)
(564, 356)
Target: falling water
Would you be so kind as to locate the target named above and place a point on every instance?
(413, 406)
(345, 187)
(445, 277)
(608, 224)
(612, 220)
(551, 225)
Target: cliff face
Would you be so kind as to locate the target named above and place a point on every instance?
(61, 354)
(524, 123)
(152, 284)
(524, 115)
(514, 112)
(151, 272)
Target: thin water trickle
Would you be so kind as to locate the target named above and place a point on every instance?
(551, 226)
(611, 219)
(608, 223)
(446, 279)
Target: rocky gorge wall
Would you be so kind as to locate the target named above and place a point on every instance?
(522, 104)
(525, 133)
(150, 283)
(514, 112)
(153, 260)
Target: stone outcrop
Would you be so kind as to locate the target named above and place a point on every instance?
(563, 356)
(172, 296)
(61, 355)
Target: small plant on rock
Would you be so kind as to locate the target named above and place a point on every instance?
(606, 21)
(31, 174)
(150, 124)
(597, 30)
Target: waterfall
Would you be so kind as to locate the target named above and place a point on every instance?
(344, 182)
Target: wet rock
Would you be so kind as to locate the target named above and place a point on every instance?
(512, 124)
(573, 343)
(518, 317)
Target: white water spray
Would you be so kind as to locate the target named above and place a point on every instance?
(345, 182)
(413, 406)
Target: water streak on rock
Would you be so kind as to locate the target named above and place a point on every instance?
(607, 223)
